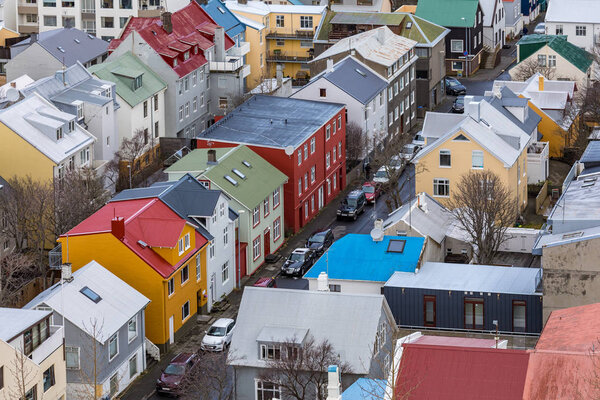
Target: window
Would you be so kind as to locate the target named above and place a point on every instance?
(186, 239)
(559, 29)
(477, 159)
(429, 310)
(1, 377)
(441, 187)
(339, 122)
(322, 92)
(306, 22)
(225, 272)
(299, 186)
(306, 181)
(114, 384)
(327, 132)
(223, 102)
(276, 198)
(457, 65)
(256, 216)
(187, 109)
(195, 104)
(107, 22)
(312, 145)
(473, 313)
(270, 352)
(181, 113)
(327, 160)
(266, 210)
(456, 46)
(72, 356)
(171, 286)
(412, 97)
(305, 151)
(541, 60)
(279, 21)
(519, 312)
(445, 159)
(31, 393)
(396, 88)
(267, 391)
(48, 378)
(390, 93)
(299, 157)
(277, 229)
(256, 248)
(552, 61)
(185, 274)
(335, 288)
(340, 148)
(334, 153)
(186, 83)
(113, 346)
(391, 118)
(185, 310)
(211, 250)
(226, 236)
(132, 366)
(198, 268)
(478, 17)
(580, 30)
(194, 78)
(49, 20)
(313, 171)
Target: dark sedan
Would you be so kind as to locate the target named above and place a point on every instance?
(454, 87)
(298, 262)
(458, 107)
(320, 241)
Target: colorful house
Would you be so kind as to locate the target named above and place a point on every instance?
(154, 250)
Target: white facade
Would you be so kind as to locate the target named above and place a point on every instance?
(494, 23)
(348, 286)
(578, 19)
(132, 119)
(586, 35)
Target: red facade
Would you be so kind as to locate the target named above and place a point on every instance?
(302, 201)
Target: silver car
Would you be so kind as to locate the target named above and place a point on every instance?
(218, 336)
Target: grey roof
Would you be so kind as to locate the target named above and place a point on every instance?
(13, 321)
(326, 315)
(119, 301)
(355, 78)
(558, 239)
(508, 98)
(578, 207)
(591, 155)
(272, 121)
(77, 45)
(469, 277)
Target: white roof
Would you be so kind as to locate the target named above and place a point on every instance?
(14, 321)
(250, 22)
(379, 45)
(119, 301)
(469, 278)
(19, 83)
(19, 116)
(580, 11)
(555, 94)
(260, 8)
(437, 124)
(488, 11)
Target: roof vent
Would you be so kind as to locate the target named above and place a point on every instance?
(408, 25)
(588, 184)
(231, 180)
(221, 9)
(60, 49)
(91, 36)
(142, 243)
(238, 173)
(77, 40)
(360, 72)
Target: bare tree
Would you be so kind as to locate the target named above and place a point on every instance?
(210, 379)
(527, 68)
(23, 376)
(484, 208)
(16, 270)
(356, 142)
(300, 370)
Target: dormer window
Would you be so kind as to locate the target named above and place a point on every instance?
(270, 352)
(186, 55)
(137, 82)
(59, 133)
(71, 126)
(195, 49)
(79, 111)
(174, 62)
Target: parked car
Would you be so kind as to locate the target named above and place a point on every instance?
(454, 87)
(372, 191)
(409, 151)
(381, 176)
(540, 28)
(320, 241)
(419, 140)
(218, 336)
(352, 205)
(265, 282)
(298, 262)
(458, 107)
(171, 377)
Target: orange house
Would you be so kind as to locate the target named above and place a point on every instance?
(155, 251)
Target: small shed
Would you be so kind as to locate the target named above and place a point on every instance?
(467, 296)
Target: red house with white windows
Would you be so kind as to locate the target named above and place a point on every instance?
(306, 140)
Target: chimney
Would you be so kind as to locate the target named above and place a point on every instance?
(329, 65)
(242, 1)
(33, 38)
(212, 157)
(13, 84)
(117, 227)
(219, 44)
(166, 21)
(472, 108)
(423, 203)
(377, 231)
(381, 35)
(279, 75)
(65, 272)
(334, 385)
(323, 282)
(541, 83)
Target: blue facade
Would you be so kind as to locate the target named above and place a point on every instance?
(408, 308)
(527, 6)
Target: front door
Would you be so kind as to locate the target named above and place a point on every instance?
(171, 331)
(321, 197)
(267, 241)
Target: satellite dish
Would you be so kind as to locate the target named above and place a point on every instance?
(12, 94)
(289, 150)
(377, 234)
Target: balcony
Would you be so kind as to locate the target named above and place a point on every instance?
(49, 346)
(29, 27)
(305, 34)
(229, 65)
(239, 51)
(27, 8)
(245, 71)
(146, 13)
(282, 56)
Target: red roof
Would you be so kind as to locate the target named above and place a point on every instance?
(148, 221)
(571, 329)
(460, 373)
(192, 26)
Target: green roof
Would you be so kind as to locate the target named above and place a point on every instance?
(261, 179)
(580, 58)
(449, 13)
(196, 161)
(122, 71)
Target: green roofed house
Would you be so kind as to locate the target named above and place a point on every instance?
(430, 45)
(464, 18)
(568, 61)
(140, 92)
(255, 189)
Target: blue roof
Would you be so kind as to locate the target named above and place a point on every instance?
(223, 17)
(358, 257)
(591, 153)
(365, 389)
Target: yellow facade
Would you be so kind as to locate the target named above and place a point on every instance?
(6, 33)
(286, 39)
(115, 256)
(428, 169)
(19, 158)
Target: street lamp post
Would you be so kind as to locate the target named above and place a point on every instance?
(466, 52)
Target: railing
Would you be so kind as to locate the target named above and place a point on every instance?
(283, 57)
(232, 64)
(152, 350)
(55, 257)
(298, 34)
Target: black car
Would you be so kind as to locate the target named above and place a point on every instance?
(352, 205)
(458, 107)
(454, 87)
(320, 241)
(298, 262)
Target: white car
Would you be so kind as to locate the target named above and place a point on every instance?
(218, 336)
(409, 151)
(540, 28)
(381, 175)
(419, 140)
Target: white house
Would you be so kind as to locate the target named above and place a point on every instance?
(579, 20)
(494, 23)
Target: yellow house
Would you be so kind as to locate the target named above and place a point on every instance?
(459, 144)
(152, 249)
(5, 33)
(32, 365)
(280, 35)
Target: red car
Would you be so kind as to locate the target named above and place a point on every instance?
(372, 191)
(171, 377)
(265, 282)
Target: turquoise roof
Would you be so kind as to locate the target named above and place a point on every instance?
(448, 13)
(358, 257)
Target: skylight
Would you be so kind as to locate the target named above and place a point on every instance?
(247, 164)
(90, 294)
(572, 235)
(238, 173)
(61, 49)
(360, 72)
(231, 180)
(77, 40)
(396, 246)
(91, 36)
(408, 25)
(221, 9)
(588, 184)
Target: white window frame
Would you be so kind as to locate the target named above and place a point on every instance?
(457, 46)
(171, 287)
(188, 309)
(135, 321)
(306, 22)
(198, 267)
(225, 272)
(580, 30)
(185, 268)
(276, 194)
(476, 155)
(73, 349)
(116, 337)
(445, 152)
(437, 183)
(256, 216)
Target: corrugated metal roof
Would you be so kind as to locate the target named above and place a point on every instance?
(591, 153)
(469, 278)
(223, 17)
(119, 301)
(577, 56)
(575, 11)
(456, 13)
